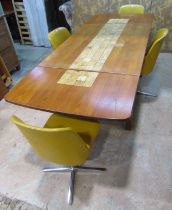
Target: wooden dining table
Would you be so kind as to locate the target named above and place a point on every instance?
(110, 95)
(126, 58)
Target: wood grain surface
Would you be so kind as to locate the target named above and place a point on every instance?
(127, 58)
(110, 97)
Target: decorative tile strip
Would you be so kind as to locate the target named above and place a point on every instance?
(94, 55)
(78, 78)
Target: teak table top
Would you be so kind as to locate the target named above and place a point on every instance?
(110, 97)
(127, 58)
(112, 94)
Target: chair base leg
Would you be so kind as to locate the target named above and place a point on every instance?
(86, 168)
(73, 171)
(61, 169)
(146, 94)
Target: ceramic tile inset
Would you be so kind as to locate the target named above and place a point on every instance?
(93, 57)
(78, 78)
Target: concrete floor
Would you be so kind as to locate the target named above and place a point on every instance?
(29, 57)
(14, 204)
(138, 162)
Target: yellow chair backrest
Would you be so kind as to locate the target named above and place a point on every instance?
(131, 9)
(59, 145)
(58, 36)
(153, 51)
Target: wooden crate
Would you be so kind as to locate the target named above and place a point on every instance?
(4, 73)
(22, 21)
(3, 89)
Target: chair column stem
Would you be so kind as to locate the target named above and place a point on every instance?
(71, 187)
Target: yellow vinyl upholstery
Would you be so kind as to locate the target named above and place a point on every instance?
(62, 140)
(153, 51)
(131, 9)
(58, 36)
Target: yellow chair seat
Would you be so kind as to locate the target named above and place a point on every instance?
(84, 128)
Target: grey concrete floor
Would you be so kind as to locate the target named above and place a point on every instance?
(29, 57)
(14, 204)
(138, 162)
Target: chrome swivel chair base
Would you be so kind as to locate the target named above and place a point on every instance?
(146, 94)
(73, 171)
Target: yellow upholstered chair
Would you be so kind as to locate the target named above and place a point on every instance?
(63, 140)
(152, 54)
(58, 36)
(131, 9)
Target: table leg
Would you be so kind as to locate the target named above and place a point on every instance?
(129, 123)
